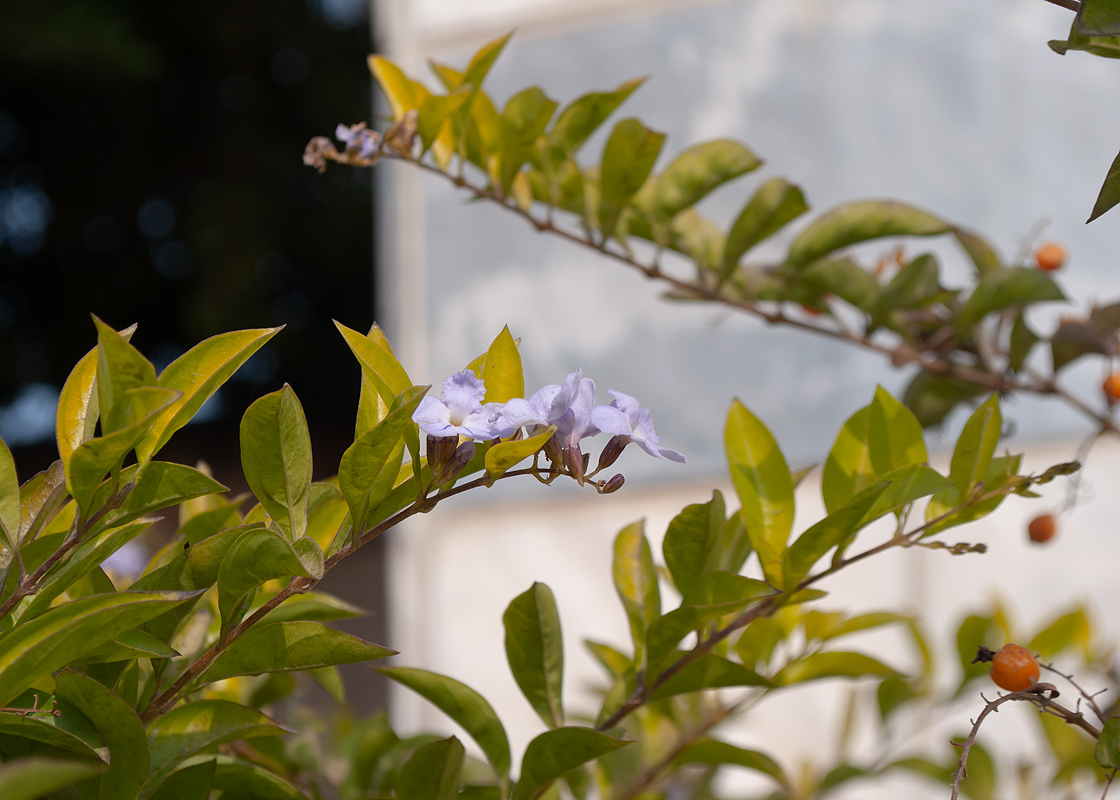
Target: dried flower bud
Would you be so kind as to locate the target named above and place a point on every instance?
(317, 152)
(402, 133)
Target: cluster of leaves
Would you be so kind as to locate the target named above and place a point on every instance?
(653, 735)
(966, 341)
(1096, 30)
(134, 674)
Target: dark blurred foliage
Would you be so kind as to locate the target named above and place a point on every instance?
(150, 172)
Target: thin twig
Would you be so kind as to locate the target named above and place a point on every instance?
(653, 771)
(300, 585)
(1089, 698)
(1072, 5)
(29, 585)
(1034, 696)
(900, 354)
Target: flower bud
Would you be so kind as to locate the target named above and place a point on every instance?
(553, 450)
(613, 485)
(451, 468)
(612, 451)
(576, 462)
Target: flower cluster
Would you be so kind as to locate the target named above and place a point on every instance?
(570, 406)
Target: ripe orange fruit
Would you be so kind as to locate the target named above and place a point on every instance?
(1050, 256)
(1013, 667)
(1042, 528)
(1111, 387)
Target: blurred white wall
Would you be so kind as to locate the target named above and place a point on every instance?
(955, 106)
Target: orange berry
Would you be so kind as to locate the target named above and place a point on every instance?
(1042, 528)
(1111, 387)
(1013, 667)
(1050, 256)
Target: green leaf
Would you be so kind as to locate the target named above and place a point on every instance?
(582, 116)
(315, 606)
(998, 476)
(1023, 339)
(848, 470)
(690, 539)
(432, 773)
(1067, 630)
(976, 445)
(1109, 195)
(554, 753)
(191, 570)
(435, 110)
(192, 781)
(370, 466)
(1002, 288)
(894, 435)
(120, 367)
(1107, 751)
(188, 729)
(524, 119)
(9, 501)
(697, 237)
(973, 632)
(667, 631)
(628, 159)
(1075, 338)
(715, 753)
(535, 651)
(378, 363)
(196, 375)
(838, 527)
(276, 458)
(161, 484)
(764, 485)
(697, 171)
(843, 278)
(720, 587)
(465, 706)
(372, 406)
(501, 370)
(235, 778)
(119, 727)
(505, 455)
(983, 255)
(33, 650)
(916, 285)
(635, 580)
(398, 88)
(289, 647)
(904, 487)
(258, 556)
(860, 222)
(77, 413)
(774, 204)
(33, 777)
(137, 410)
(70, 730)
(931, 397)
(79, 562)
(127, 646)
(613, 661)
(1098, 18)
(892, 694)
(836, 664)
(39, 498)
(708, 672)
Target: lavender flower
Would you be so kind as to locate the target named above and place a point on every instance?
(625, 418)
(459, 411)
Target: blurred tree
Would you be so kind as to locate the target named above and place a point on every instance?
(150, 172)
